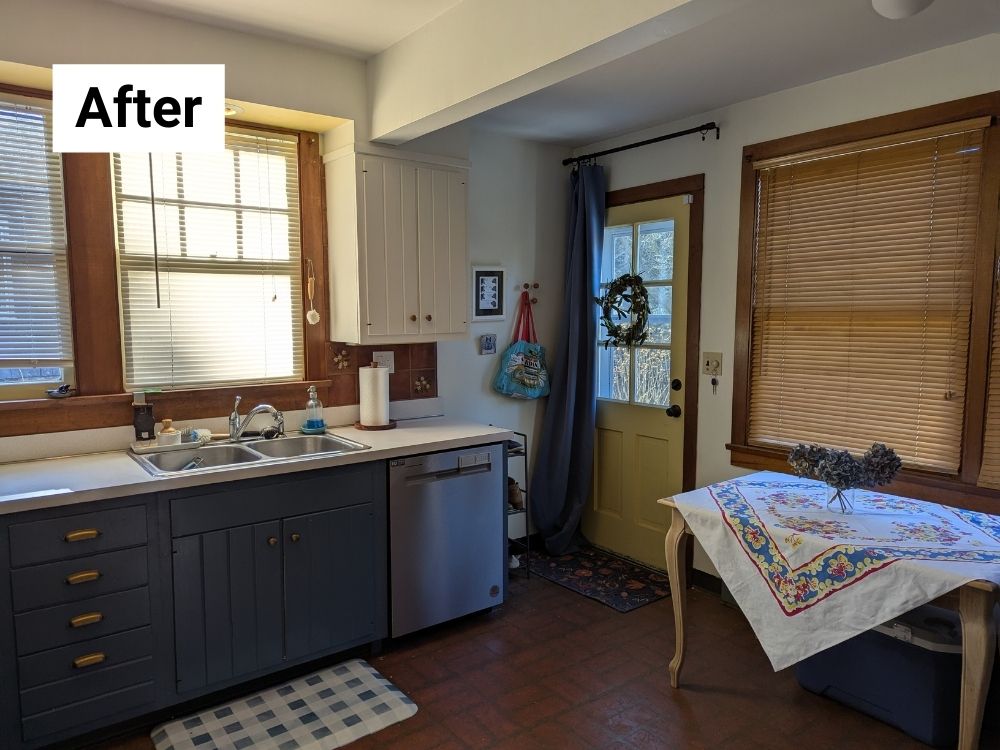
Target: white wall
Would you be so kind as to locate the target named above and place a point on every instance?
(940, 75)
(259, 70)
(517, 210)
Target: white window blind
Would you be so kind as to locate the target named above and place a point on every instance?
(227, 264)
(863, 276)
(35, 320)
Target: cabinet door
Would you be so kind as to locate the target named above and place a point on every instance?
(390, 285)
(442, 250)
(227, 604)
(330, 579)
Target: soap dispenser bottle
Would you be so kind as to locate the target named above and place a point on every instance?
(314, 423)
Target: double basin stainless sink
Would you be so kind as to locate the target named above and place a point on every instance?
(230, 455)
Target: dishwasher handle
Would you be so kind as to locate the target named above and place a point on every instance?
(456, 473)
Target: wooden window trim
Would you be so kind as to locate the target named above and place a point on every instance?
(94, 296)
(960, 489)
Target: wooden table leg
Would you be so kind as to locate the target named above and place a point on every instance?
(978, 652)
(675, 548)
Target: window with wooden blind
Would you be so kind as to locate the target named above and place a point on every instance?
(863, 275)
(989, 473)
(36, 341)
(216, 298)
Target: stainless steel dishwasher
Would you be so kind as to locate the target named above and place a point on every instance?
(446, 535)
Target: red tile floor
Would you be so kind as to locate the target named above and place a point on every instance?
(551, 669)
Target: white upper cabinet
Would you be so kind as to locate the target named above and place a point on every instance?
(398, 257)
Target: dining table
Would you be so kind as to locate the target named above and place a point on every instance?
(808, 576)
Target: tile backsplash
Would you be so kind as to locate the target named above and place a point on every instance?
(415, 373)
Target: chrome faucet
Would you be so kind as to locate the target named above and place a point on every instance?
(237, 427)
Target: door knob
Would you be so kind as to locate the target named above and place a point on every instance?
(413, 318)
(676, 384)
(673, 411)
(427, 317)
(271, 540)
(295, 537)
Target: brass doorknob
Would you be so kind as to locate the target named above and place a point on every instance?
(295, 537)
(413, 318)
(272, 540)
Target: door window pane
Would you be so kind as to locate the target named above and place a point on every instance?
(617, 258)
(652, 377)
(660, 307)
(612, 373)
(656, 250)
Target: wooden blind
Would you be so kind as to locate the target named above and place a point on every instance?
(862, 293)
(989, 472)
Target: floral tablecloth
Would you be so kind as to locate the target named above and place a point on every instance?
(808, 578)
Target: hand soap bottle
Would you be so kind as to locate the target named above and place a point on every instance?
(314, 424)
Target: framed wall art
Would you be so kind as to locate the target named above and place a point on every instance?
(489, 293)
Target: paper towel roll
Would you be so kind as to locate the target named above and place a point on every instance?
(374, 383)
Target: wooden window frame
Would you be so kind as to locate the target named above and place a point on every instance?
(94, 298)
(959, 489)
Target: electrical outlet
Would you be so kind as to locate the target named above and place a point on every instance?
(385, 359)
(711, 363)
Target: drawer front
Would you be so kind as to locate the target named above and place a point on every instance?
(80, 578)
(86, 657)
(252, 502)
(85, 686)
(114, 707)
(58, 626)
(75, 536)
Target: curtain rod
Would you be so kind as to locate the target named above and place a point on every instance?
(703, 129)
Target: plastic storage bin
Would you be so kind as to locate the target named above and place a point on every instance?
(906, 672)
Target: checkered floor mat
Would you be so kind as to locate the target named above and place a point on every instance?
(321, 711)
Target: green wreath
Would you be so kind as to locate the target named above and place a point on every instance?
(627, 297)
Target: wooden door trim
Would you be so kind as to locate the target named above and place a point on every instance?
(695, 186)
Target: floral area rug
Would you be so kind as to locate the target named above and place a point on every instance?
(611, 580)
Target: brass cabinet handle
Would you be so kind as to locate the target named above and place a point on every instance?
(271, 540)
(89, 660)
(83, 576)
(82, 535)
(91, 618)
(428, 317)
(295, 537)
(413, 318)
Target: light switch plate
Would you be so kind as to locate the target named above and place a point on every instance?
(711, 363)
(385, 359)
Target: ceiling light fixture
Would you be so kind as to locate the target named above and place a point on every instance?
(232, 110)
(896, 9)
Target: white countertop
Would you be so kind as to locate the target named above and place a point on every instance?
(53, 482)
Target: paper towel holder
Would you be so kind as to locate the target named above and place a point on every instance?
(375, 427)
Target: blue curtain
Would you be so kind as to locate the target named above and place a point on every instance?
(563, 469)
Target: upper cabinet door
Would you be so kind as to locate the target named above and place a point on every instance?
(389, 261)
(442, 250)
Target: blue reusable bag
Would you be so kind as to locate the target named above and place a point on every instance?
(522, 372)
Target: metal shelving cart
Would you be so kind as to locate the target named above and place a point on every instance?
(521, 546)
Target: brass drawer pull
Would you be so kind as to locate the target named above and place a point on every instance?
(91, 618)
(89, 660)
(82, 535)
(83, 576)
(272, 541)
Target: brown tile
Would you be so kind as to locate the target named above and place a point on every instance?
(399, 385)
(423, 356)
(429, 383)
(343, 390)
(347, 353)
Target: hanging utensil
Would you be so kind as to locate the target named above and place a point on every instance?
(312, 317)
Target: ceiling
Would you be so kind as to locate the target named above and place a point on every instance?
(358, 27)
(757, 49)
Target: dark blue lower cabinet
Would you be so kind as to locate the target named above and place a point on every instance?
(260, 596)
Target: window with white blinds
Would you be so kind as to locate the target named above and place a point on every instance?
(36, 338)
(226, 265)
(862, 294)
